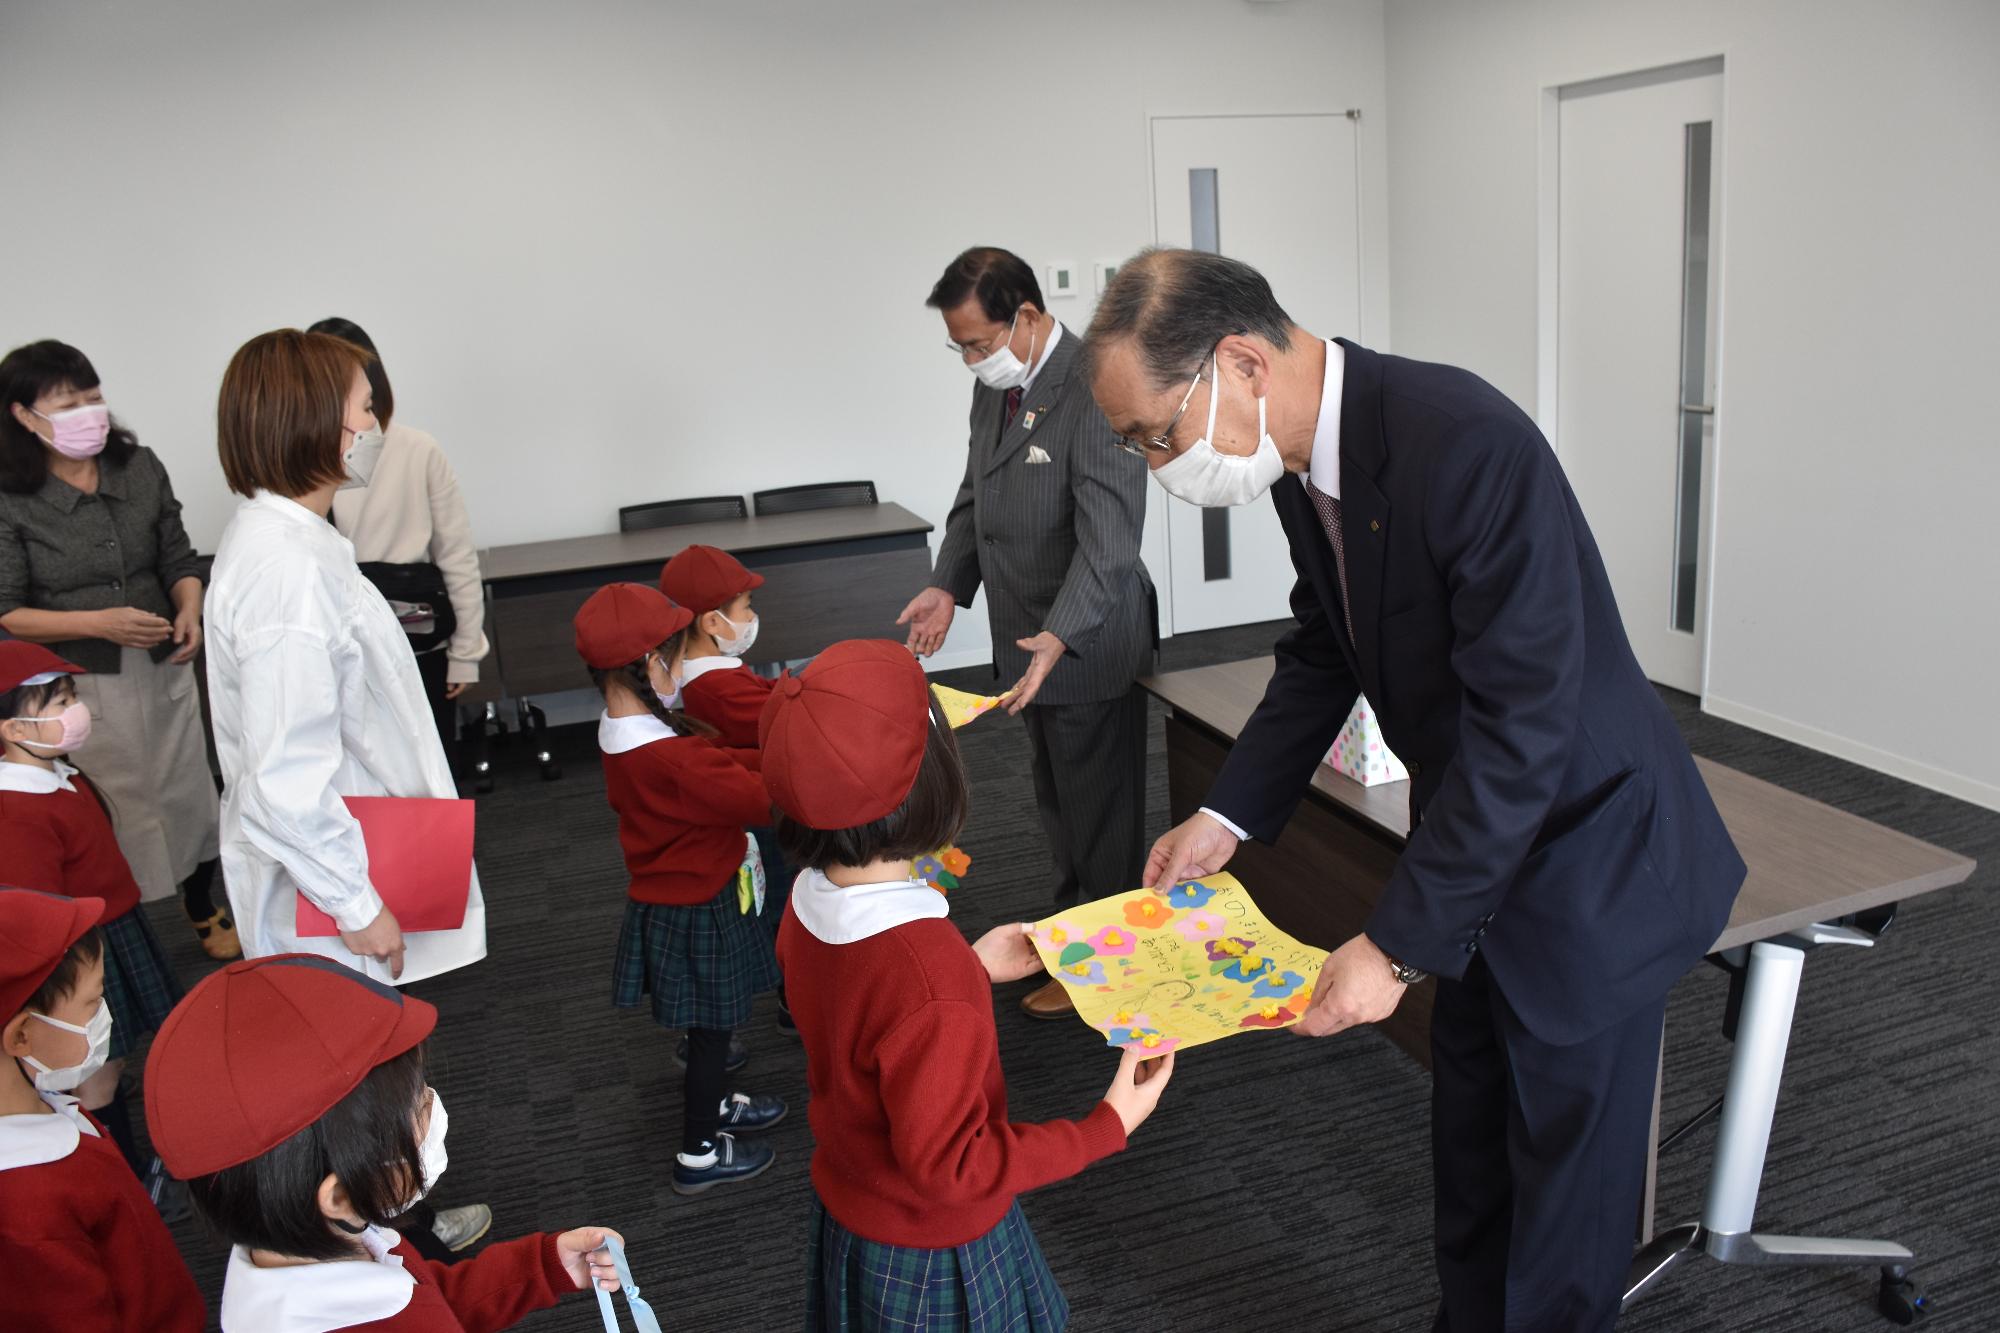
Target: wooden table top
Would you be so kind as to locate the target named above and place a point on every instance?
(604, 550)
(1807, 861)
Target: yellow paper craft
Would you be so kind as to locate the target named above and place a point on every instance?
(1198, 963)
(960, 707)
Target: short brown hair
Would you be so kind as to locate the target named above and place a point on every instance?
(929, 819)
(283, 403)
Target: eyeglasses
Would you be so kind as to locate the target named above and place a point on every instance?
(987, 347)
(1158, 443)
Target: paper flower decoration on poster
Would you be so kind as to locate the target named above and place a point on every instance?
(960, 707)
(943, 870)
(1158, 971)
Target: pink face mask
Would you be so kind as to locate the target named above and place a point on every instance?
(79, 432)
(75, 729)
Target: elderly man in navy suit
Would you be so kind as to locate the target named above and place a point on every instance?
(1565, 862)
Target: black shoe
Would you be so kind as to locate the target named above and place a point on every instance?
(739, 1054)
(786, 1026)
(732, 1165)
(751, 1115)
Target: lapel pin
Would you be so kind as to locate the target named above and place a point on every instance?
(1028, 421)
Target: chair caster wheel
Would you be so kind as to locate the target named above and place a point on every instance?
(1900, 1299)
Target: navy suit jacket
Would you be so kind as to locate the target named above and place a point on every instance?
(1559, 826)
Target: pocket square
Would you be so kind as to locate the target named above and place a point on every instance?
(1037, 454)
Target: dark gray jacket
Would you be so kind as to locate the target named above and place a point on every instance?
(62, 550)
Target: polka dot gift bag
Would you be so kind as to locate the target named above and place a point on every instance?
(1359, 752)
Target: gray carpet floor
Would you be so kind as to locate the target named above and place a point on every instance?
(1283, 1183)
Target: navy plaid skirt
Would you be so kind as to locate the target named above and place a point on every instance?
(703, 965)
(998, 1283)
(139, 983)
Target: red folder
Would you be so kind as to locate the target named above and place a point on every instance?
(419, 859)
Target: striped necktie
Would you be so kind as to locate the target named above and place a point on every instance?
(1329, 518)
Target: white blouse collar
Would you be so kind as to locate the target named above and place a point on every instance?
(33, 1140)
(836, 915)
(33, 779)
(616, 735)
(693, 668)
(315, 1298)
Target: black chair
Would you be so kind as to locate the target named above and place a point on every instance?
(673, 513)
(818, 495)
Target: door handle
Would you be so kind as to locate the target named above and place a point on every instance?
(1699, 409)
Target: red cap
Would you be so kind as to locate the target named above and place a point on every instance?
(36, 930)
(263, 1048)
(843, 739)
(21, 662)
(706, 578)
(622, 622)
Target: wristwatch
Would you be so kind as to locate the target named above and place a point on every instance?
(1404, 973)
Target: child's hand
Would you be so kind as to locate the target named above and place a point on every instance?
(1008, 953)
(584, 1257)
(1136, 1087)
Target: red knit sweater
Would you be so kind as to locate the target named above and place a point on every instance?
(61, 842)
(492, 1290)
(730, 699)
(909, 1107)
(82, 1247)
(683, 804)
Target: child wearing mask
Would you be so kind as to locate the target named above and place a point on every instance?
(57, 834)
(916, 1223)
(288, 1092)
(683, 804)
(719, 690)
(80, 1243)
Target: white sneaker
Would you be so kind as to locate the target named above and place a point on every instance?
(457, 1228)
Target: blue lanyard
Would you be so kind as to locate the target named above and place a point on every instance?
(642, 1314)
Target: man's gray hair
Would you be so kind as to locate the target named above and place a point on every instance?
(1176, 305)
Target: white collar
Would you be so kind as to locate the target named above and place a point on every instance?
(35, 780)
(315, 1298)
(836, 915)
(1324, 469)
(1042, 360)
(616, 735)
(33, 1140)
(693, 668)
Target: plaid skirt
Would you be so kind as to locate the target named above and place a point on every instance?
(998, 1283)
(703, 965)
(139, 983)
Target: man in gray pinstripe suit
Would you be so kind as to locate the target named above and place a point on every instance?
(1048, 520)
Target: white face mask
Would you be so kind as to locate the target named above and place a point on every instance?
(1004, 370)
(739, 643)
(1202, 476)
(431, 1157)
(669, 701)
(98, 1030)
(361, 458)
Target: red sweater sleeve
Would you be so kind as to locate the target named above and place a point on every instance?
(716, 789)
(34, 856)
(493, 1290)
(731, 701)
(941, 1124)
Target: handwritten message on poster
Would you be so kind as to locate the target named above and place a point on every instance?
(1193, 965)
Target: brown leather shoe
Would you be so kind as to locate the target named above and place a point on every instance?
(218, 936)
(1050, 1001)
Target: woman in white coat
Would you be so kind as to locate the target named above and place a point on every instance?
(313, 690)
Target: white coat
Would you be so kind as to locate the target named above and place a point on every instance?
(315, 695)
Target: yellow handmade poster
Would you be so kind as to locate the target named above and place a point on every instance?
(960, 707)
(1192, 965)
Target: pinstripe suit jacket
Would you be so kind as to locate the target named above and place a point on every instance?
(1055, 544)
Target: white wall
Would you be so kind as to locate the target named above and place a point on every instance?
(1856, 575)
(611, 251)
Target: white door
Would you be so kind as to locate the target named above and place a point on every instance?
(1637, 262)
(1278, 193)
